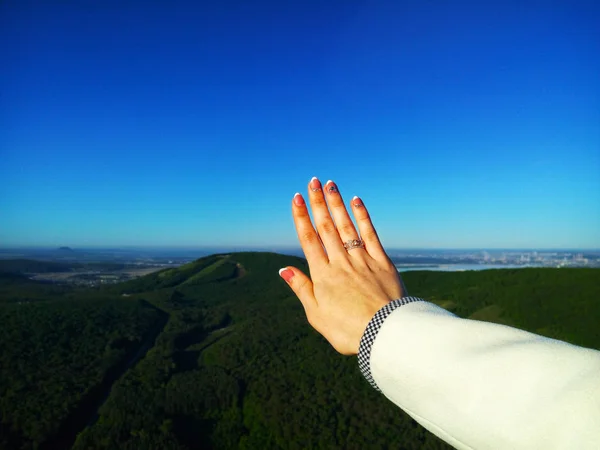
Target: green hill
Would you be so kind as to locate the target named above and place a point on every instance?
(559, 303)
(237, 365)
(205, 270)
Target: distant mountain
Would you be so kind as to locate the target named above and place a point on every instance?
(65, 249)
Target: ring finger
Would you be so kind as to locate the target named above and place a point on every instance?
(343, 223)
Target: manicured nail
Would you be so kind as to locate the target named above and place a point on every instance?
(286, 274)
(357, 202)
(315, 184)
(298, 200)
(331, 187)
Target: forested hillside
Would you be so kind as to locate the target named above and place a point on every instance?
(55, 356)
(559, 303)
(236, 364)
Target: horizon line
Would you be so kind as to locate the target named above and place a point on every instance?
(273, 247)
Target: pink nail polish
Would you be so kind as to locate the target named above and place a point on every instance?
(286, 274)
(298, 200)
(315, 184)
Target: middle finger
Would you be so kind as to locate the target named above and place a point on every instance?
(323, 221)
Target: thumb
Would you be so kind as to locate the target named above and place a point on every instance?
(300, 284)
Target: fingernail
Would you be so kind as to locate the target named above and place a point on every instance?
(331, 187)
(286, 274)
(357, 202)
(315, 184)
(298, 200)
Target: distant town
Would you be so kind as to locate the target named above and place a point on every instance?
(454, 260)
(97, 267)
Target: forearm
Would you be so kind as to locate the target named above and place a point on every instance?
(482, 385)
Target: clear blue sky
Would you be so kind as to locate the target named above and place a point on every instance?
(171, 123)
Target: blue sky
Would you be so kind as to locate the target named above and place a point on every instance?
(461, 125)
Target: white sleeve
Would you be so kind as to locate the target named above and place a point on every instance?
(479, 385)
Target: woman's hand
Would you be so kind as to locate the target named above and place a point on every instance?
(348, 286)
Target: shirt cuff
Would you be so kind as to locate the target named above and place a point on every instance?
(368, 338)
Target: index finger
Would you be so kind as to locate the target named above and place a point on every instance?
(308, 237)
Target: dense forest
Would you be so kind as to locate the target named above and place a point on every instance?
(231, 361)
(56, 354)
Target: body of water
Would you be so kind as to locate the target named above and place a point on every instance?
(456, 267)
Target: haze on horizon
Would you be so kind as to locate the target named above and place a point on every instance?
(462, 125)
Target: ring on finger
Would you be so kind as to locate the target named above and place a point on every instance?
(354, 243)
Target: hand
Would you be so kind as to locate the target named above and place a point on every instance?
(348, 286)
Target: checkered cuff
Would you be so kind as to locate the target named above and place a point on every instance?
(366, 342)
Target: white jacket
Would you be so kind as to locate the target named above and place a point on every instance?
(479, 385)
